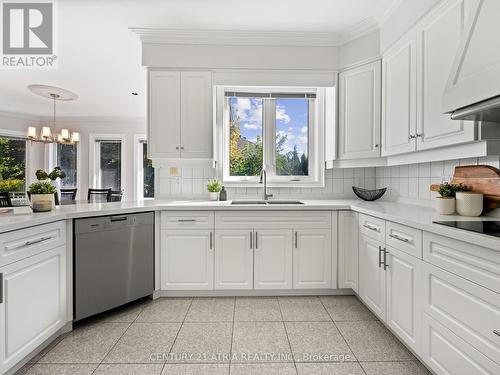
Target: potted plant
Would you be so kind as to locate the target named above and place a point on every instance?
(445, 203)
(42, 196)
(214, 187)
(54, 176)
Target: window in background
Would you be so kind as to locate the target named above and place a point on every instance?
(13, 165)
(66, 159)
(148, 172)
(110, 164)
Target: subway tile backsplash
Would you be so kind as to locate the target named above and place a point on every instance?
(408, 183)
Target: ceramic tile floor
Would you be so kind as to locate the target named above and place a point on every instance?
(244, 336)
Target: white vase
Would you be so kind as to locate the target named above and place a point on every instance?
(469, 204)
(445, 205)
(42, 202)
(214, 196)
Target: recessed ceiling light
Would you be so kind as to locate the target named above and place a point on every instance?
(134, 93)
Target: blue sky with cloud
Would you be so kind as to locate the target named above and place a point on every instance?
(291, 120)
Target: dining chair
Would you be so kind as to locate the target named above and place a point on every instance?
(98, 195)
(68, 194)
(5, 199)
(115, 196)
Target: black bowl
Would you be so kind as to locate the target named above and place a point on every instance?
(368, 195)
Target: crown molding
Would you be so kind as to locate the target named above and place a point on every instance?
(367, 26)
(383, 16)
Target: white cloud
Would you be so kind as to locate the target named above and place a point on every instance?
(281, 114)
(304, 129)
(252, 126)
(302, 140)
(290, 128)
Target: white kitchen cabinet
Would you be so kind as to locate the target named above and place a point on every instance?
(372, 276)
(348, 235)
(404, 297)
(273, 259)
(438, 38)
(180, 115)
(399, 79)
(187, 259)
(164, 116)
(359, 112)
(234, 259)
(312, 259)
(33, 307)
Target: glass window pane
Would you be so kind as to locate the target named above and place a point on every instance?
(148, 173)
(245, 136)
(66, 160)
(110, 164)
(292, 120)
(12, 165)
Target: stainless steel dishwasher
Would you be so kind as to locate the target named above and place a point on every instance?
(113, 261)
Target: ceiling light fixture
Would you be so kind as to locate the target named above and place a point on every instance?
(50, 134)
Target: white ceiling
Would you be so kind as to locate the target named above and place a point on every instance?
(99, 57)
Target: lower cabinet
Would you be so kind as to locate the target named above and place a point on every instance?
(273, 259)
(403, 293)
(187, 259)
(372, 277)
(348, 239)
(312, 259)
(234, 259)
(32, 304)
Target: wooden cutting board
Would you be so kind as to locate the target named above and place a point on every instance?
(481, 179)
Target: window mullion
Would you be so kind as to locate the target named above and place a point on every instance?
(268, 133)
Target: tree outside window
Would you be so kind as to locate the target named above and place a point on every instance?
(12, 164)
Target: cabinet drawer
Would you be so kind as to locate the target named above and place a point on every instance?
(445, 353)
(404, 238)
(22, 243)
(372, 227)
(475, 263)
(273, 219)
(187, 219)
(469, 310)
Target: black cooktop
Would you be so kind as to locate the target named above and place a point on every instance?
(490, 228)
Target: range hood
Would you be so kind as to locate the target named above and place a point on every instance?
(473, 88)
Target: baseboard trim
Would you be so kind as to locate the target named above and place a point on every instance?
(252, 293)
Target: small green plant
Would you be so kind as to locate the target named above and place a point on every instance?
(11, 185)
(448, 190)
(214, 186)
(42, 187)
(56, 173)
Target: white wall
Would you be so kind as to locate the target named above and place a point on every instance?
(360, 49)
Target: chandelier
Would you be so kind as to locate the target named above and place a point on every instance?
(50, 134)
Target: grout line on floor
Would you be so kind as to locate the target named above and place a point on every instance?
(232, 337)
(288, 339)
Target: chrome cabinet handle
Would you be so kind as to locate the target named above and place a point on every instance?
(412, 137)
(256, 240)
(418, 135)
(376, 145)
(251, 240)
(186, 220)
(380, 256)
(385, 259)
(33, 242)
(211, 241)
(182, 147)
(396, 237)
(1, 287)
(370, 227)
(494, 331)
(296, 240)
(177, 147)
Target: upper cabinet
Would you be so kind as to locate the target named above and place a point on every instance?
(414, 75)
(359, 112)
(180, 115)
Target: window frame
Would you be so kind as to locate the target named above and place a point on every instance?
(51, 163)
(7, 133)
(94, 162)
(316, 145)
(139, 139)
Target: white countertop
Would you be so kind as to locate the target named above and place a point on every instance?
(412, 215)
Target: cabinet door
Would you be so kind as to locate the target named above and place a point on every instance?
(372, 275)
(187, 259)
(234, 259)
(34, 304)
(359, 112)
(164, 116)
(438, 39)
(399, 97)
(312, 259)
(404, 297)
(273, 259)
(196, 115)
(348, 250)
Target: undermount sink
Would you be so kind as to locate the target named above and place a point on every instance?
(262, 202)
